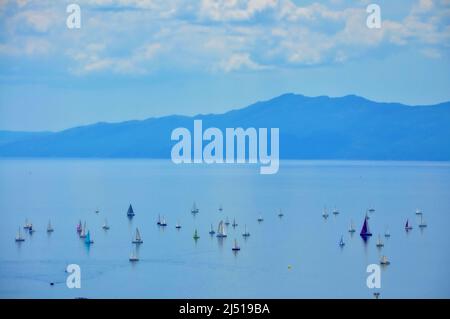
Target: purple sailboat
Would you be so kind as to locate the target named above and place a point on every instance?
(365, 232)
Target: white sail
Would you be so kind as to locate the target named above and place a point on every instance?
(138, 236)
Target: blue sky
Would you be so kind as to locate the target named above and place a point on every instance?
(134, 59)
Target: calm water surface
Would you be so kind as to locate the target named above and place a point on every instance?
(173, 265)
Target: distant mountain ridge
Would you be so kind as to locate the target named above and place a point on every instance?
(349, 127)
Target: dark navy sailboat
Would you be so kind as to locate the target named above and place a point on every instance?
(365, 232)
(130, 212)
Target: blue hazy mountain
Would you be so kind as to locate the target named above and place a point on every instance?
(349, 127)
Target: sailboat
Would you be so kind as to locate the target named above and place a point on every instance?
(280, 213)
(19, 237)
(88, 239)
(371, 210)
(79, 227)
(341, 242)
(163, 222)
(379, 242)
(234, 223)
(246, 233)
(422, 224)
(365, 231)
(49, 227)
(134, 257)
(335, 211)
(97, 211)
(221, 230)
(384, 261)
(178, 226)
(387, 234)
(83, 231)
(418, 212)
(325, 213)
(159, 220)
(260, 218)
(137, 239)
(196, 236)
(194, 209)
(408, 227)
(235, 246)
(351, 230)
(26, 225)
(212, 232)
(220, 208)
(227, 222)
(105, 225)
(31, 229)
(130, 212)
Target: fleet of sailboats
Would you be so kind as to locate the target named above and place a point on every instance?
(85, 234)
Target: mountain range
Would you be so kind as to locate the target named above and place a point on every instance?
(349, 127)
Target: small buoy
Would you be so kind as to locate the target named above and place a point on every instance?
(52, 284)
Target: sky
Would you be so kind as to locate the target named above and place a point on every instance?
(134, 59)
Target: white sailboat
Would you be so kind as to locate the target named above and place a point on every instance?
(280, 213)
(221, 230)
(19, 237)
(335, 211)
(260, 218)
(246, 233)
(418, 212)
(220, 208)
(341, 242)
(134, 257)
(212, 232)
(235, 246)
(384, 261)
(422, 224)
(379, 242)
(325, 213)
(178, 225)
(163, 222)
(27, 224)
(49, 227)
(194, 209)
(351, 230)
(138, 238)
(83, 231)
(227, 222)
(387, 233)
(105, 225)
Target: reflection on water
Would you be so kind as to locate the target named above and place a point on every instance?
(295, 256)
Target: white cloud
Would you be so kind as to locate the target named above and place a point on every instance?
(240, 61)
